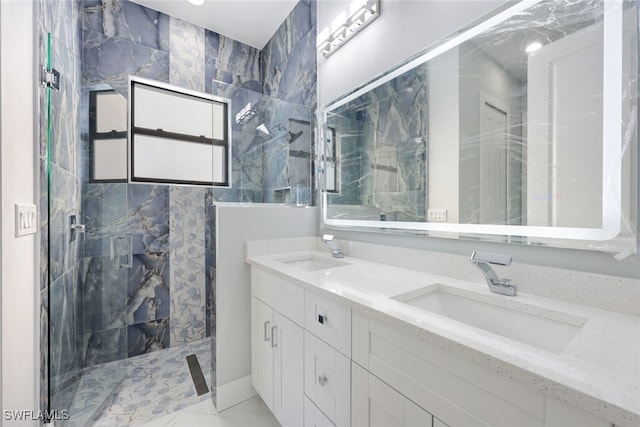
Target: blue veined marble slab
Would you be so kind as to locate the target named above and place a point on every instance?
(105, 346)
(147, 218)
(128, 21)
(148, 293)
(64, 200)
(105, 294)
(44, 348)
(234, 57)
(65, 351)
(111, 60)
(147, 337)
(297, 26)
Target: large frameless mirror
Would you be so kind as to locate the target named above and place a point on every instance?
(520, 128)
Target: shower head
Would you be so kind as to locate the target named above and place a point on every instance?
(268, 132)
(262, 128)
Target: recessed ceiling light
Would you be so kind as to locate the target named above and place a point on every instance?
(196, 2)
(533, 47)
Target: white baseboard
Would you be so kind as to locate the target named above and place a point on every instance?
(230, 394)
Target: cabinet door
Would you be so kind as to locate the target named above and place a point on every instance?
(327, 379)
(375, 404)
(261, 350)
(288, 343)
(313, 417)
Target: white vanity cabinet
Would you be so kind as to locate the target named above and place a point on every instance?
(374, 403)
(456, 391)
(316, 362)
(277, 343)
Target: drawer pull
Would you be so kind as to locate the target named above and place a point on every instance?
(322, 318)
(274, 334)
(322, 380)
(267, 329)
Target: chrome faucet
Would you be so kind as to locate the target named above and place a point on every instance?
(500, 286)
(336, 252)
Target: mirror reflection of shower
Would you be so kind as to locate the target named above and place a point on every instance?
(263, 130)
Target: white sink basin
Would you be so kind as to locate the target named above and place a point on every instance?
(542, 329)
(314, 263)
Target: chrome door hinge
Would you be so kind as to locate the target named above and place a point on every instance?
(51, 78)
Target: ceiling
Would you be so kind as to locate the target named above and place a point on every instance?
(252, 22)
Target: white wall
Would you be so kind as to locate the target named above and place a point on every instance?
(19, 296)
(404, 28)
(236, 224)
(444, 147)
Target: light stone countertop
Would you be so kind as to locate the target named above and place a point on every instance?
(598, 371)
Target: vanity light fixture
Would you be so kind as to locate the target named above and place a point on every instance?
(362, 13)
(532, 47)
(196, 2)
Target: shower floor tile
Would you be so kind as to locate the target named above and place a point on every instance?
(157, 384)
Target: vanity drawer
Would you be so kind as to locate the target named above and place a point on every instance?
(313, 417)
(281, 295)
(327, 379)
(329, 321)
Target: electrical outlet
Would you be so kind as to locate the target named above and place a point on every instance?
(437, 215)
(26, 219)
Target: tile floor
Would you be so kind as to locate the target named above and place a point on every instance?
(158, 391)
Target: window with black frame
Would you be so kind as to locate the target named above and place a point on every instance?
(178, 136)
(107, 136)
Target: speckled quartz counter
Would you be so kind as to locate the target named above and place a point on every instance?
(598, 371)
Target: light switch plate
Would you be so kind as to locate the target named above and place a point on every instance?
(26, 219)
(437, 215)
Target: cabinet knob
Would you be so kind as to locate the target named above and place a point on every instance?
(322, 319)
(322, 380)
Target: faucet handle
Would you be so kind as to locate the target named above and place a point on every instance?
(491, 258)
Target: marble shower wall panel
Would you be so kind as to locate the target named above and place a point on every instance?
(105, 294)
(187, 58)
(210, 259)
(128, 21)
(188, 266)
(105, 346)
(289, 59)
(111, 60)
(65, 325)
(121, 38)
(229, 61)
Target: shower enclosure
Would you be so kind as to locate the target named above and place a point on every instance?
(120, 259)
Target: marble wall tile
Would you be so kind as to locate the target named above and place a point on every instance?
(105, 294)
(209, 257)
(111, 60)
(148, 293)
(44, 348)
(105, 346)
(104, 207)
(147, 337)
(62, 20)
(187, 59)
(128, 21)
(289, 63)
(188, 264)
(147, 218)
(65, 358)
(231, 55)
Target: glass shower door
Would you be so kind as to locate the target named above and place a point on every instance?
(87, 339)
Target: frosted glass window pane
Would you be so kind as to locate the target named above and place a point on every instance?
(110, 159)
(111, 112)
(169, 159)
(172, 112)
(217, 112)
(219, 164)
